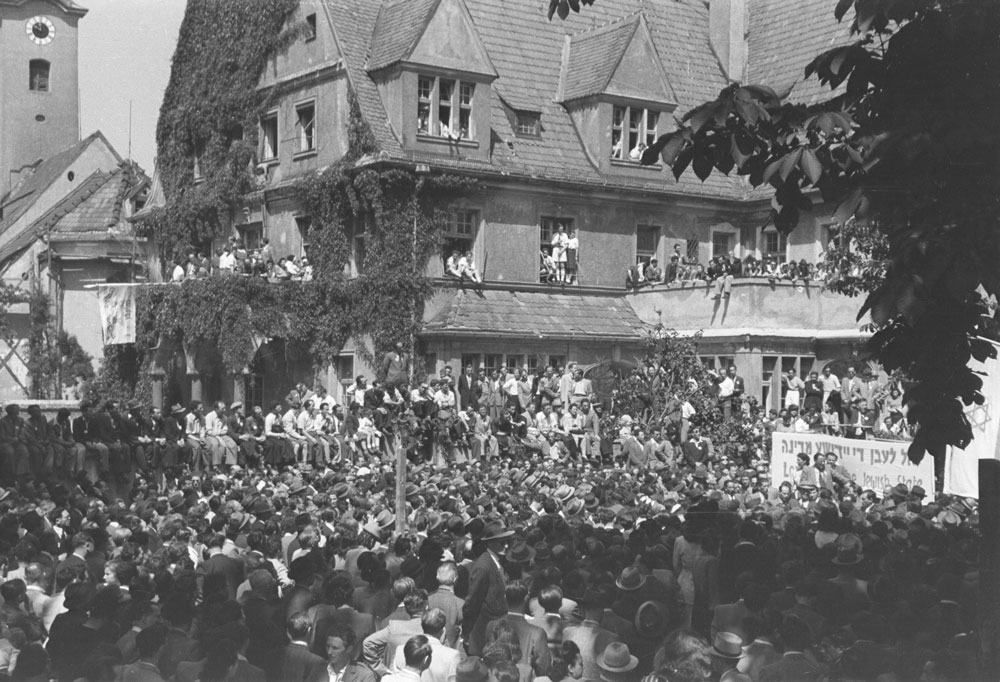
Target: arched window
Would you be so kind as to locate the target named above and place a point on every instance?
(38, 75)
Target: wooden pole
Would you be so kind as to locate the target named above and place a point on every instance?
(400, 481)
(989, 565)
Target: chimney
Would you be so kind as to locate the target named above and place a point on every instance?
(727, 29)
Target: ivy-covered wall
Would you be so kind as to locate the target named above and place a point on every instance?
(210, 110)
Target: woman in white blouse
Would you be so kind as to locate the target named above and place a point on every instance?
(559, 243)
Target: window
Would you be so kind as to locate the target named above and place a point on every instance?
(632, 130)
(647, 243)
(38, 75)
(269, 136)
(471, 360)
(532, 363)
(515, 363)
(252, 234)
(343, 367)
(310, 27)
(444, 107)
(719, 363)
(774, 244)
(305, 126)
(547, 228)
(360, 228)
(692, 248)
(253, 390)
(304, 225)
(528, 123)
(461, 234)
(557, 361)
(722, 243)
(199, 153)
(493, 361)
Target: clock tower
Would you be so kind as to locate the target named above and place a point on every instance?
(39, 86)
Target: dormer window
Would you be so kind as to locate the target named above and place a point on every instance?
(633, 129)
(528, 123)
(444, 107)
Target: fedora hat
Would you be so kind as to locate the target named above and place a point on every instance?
(616, 658)
(651, 620)
(574, 507)
(496, 530)
(631, 579)
(563, 493)
(341, 490)
(177, 409)
(520, 552)
(727, 645)
(385, 519)
(176, 500)
(542, 551)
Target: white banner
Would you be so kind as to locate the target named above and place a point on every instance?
(961, 473)
(117, 305)
(872, 464)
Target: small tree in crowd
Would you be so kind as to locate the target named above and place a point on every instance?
(670, 374)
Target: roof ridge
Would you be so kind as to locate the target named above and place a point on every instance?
(594, 30)
(73, 200)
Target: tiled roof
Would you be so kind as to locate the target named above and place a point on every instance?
(94, 207)
(535, 315)
(526, 50)
(27, 190)
(784, 36)
(399, 26)
(353, 22)
(593, 57)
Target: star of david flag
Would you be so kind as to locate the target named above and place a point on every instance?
(961, 473)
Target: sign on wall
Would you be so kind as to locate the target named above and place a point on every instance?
(873, 464)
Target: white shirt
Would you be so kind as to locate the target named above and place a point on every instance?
(726, 387)
(178, 274)
(227, 261)
(445, 400)
(214, 425)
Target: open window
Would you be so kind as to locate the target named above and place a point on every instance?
(445, 107)
(310, 29)
(461, 234)
(38, 75)
(633, 129)
(305, 127)
(269, 136)
(647, 243)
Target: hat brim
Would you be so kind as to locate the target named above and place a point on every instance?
(499, 536)
(527, 559)
(642, 581)
(838, 562)
(720, 654)
(632, 664)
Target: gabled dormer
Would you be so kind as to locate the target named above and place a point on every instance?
(434, 76)
(615, 88)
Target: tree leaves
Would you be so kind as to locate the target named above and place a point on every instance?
(562, 7)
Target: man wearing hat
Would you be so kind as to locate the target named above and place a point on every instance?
(617, 663)
(486, 599)
(589, 636)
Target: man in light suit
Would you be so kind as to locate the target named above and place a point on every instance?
(444, 598)
(853, 395)
(589, 636)
(487, 598)
(444, 660)
(298, 664)
(534, 644)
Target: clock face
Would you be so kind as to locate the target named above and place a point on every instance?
(40, 30)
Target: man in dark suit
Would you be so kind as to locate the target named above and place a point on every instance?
(297, 663)
(696, 449)
(237, 633)
(534, 643)
(262, 612)
(468, 389)
(220, 564)
(487, 599)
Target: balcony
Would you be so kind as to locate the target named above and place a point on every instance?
(755, 306)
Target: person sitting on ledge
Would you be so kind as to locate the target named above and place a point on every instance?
(653, 273)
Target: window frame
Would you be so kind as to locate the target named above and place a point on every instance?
(645, 255)
(457, 110)
(781, 254)
(453, 235)
(310, 28)
(623, 127)
(269, 153)
(31, 75)
(300, 129)
(522, 130)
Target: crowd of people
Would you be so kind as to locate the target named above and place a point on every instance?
(721, 271)
(234, 258)
(193, 544)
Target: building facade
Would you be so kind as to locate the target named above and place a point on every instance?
(550, 119)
